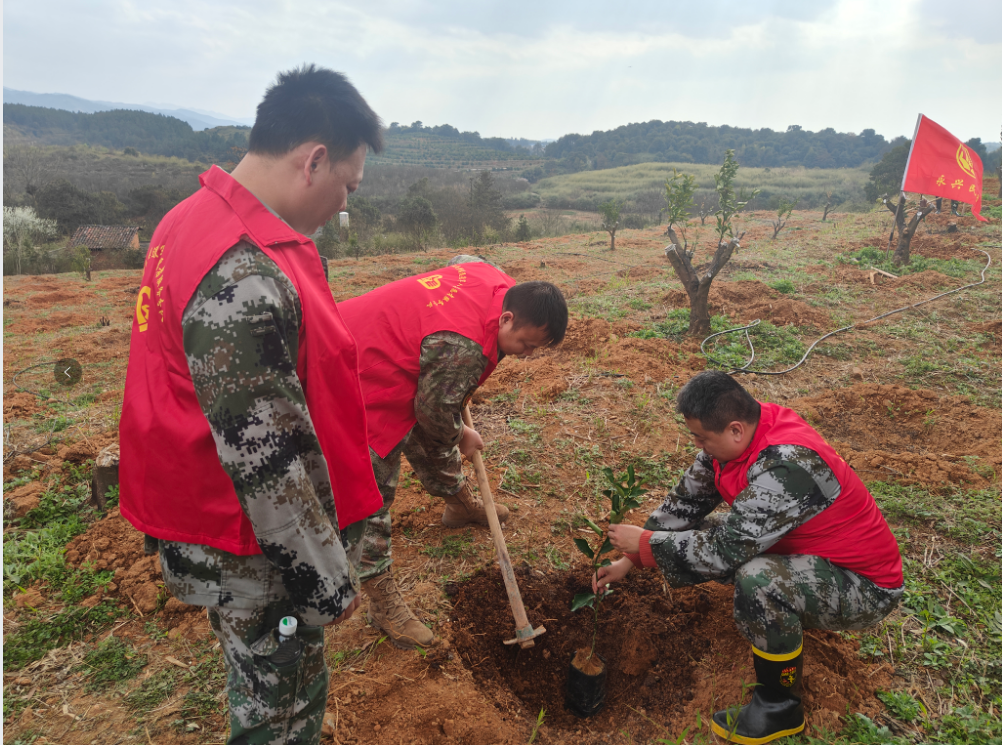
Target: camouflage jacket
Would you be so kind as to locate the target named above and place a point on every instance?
(249, 391)
(451, 366)
(787, 486)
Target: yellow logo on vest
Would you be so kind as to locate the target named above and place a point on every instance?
(432, 282)
(143, 308)
(965, 161)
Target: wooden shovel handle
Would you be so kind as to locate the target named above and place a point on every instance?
(510, 583)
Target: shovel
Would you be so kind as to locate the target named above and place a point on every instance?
(524, 633)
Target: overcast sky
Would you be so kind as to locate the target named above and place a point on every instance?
(537, 69)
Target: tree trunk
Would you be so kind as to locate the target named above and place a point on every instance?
(612, 240)
(696, 287)
(828, 208)
(902, 252)
(998, 172)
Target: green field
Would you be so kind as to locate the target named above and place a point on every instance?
(587, 189)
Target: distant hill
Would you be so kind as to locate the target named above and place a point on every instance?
(691, 142)
(444, 146)
(153, 134)
(198, 120)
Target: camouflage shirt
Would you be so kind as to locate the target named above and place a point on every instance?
(787, 486)
(451, 366)
(241, 338)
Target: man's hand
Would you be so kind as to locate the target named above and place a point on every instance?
(352, 607)
(626, 538)
(470, 442)
(612, 573)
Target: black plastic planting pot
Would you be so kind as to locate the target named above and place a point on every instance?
(585, 694)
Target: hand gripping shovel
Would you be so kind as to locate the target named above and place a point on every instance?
(524, 633)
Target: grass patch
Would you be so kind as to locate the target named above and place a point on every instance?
(37, 635)
(111, 661)
(153, 691)
(784, 286)
(969, 516)
(451, 547)
(878, 259)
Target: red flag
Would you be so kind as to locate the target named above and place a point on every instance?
(941, 165)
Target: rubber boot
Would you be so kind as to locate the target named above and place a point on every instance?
(462, 509)
(775, 710)
(389, 612)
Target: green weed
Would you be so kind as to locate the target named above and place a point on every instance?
(111, 661)
(37, 635)
(452, 546)
(153, 691)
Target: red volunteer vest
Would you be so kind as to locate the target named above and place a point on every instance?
(851, 533)
(390, 322)
(172, 484)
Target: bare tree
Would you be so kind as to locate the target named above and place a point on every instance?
(23, 230)
(829, 204)
(786, 208)
(704, 207)
(549, 221)
(698, 287)
(906, 226)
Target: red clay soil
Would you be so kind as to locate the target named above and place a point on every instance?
(889, 432)
(751, 299)
(669, 654)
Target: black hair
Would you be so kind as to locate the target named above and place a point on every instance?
(539, 304)
(314, 104)
(716, 399)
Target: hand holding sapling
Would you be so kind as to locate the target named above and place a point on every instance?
(625, 538)
(605, 576)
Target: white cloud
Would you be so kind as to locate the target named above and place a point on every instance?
(534, 69)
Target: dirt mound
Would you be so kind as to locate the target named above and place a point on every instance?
(891, 432)
(941, 247)
(48, 299)
(586, 335)
(669, 655)
(112, 543)
(642, 272)
(747, 300)
(51, 322)
(992, 328)
(20, 405)
(926, 280)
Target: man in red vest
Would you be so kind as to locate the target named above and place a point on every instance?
(804, 543)
(243, 428)
(425, 344)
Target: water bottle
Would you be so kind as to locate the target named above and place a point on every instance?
(289, 649)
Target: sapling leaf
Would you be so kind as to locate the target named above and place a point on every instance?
(606, 547)
(582, 600)
(606, 563)
(593, 526)
(584, 548)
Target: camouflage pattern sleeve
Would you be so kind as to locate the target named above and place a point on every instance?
(241, 338)
(693, 498)
(451, 366)
(787, 486)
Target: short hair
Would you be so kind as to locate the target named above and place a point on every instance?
(716, 399)
(539, 304)
(314, 104)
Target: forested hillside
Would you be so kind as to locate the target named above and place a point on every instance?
(152, 134)
(688, 142)
(444, 146)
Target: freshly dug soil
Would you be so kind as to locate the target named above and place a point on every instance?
(669, 654)
(751, 299)
(890, 432)
(586, 662)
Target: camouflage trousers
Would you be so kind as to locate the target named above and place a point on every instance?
(776, 597)
(440, 473)
(275, 701)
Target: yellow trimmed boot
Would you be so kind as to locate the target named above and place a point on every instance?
(775, 710)
(462, 509)
(389, 612)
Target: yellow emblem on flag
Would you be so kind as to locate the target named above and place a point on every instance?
(432, 282)
(965, 161)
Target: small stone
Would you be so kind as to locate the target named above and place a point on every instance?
(857, 373)
(327, 730)
(376, 727)
(449, 728)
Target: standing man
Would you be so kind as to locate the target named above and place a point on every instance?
(804, 543)
(425, 344)
(255, 501)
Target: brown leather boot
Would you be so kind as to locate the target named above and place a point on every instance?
(462, 508)
(389, 612)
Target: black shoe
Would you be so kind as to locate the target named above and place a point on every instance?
(775, 710)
